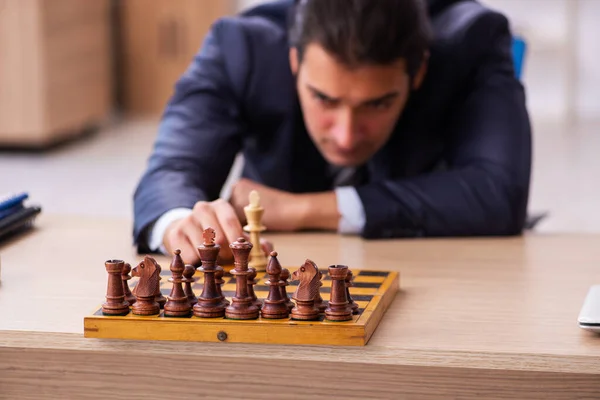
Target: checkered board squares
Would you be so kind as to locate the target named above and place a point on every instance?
(372, 290)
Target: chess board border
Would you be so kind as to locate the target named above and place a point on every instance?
(356, 332)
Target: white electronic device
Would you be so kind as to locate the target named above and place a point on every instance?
(589, 316)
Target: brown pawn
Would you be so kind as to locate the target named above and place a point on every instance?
(145, 291)
(188, 279)
(219, 281)
(209, 303)
(274, 306)
(115, 297)
(306, 292)
(339, 309)
(177, 304)
(251, 283)
(160, 299)
(285, 276)
(125, 277)
(353, 304)
(241, 304)
(319, 303)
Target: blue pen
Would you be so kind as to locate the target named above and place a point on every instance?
(12, 201)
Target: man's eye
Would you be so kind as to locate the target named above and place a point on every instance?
(379, 105)
(324, 99)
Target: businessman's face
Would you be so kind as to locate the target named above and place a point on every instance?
(349, 112)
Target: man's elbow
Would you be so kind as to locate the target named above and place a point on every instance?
(505, 213)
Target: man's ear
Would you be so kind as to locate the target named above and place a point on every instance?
(294, 60)
(421, 72)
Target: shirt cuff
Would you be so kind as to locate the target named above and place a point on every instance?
(351, 209)
(160, 226)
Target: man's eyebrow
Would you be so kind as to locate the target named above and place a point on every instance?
(378, 99)
(383, 98)
(320, 93)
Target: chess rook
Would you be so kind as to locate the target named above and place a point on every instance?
(115, 296)
(306, 292)
(125, 277)
(210, 304)
(353, 304)
(188, 279)
(339, 308)
(177, 304)
(241, 304)
(275, 306)
(254, 227)
(285, 276)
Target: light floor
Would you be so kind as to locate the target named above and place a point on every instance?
(97, 175)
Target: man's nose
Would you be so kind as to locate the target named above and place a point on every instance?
(344, 131)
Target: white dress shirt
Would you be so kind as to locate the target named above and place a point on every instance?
(349, 206)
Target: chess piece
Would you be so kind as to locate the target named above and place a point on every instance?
(115, 296)
(125, 277)
(254, 213)
(177, 304)
(251, 282)
(219, 281)
(275, 306)
(210, 304)
(319, 303)
(148, 271)
(160, 299)
(188, 280)
(241, 304)
(339, 308)
(306, 292)
(285, 276)
(353, 304)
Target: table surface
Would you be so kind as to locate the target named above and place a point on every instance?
(490, 303)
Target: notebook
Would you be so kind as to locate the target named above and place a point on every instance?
(15, 216)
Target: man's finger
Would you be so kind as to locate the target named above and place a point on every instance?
(178, 239)
(193, 231)
(204, 215)
(228, 220)
(189, 255)
(266, 246)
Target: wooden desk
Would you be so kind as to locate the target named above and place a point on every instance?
(479, 318)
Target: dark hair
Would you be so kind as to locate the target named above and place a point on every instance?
(363, 31)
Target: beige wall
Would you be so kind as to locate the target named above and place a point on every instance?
(562, 72)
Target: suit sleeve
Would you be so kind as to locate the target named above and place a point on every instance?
(199, 134)
(486, 187)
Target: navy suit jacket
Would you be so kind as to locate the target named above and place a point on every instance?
(457, 164)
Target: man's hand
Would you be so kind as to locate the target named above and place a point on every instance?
(286, 211)
(282, 209)
(186, 234)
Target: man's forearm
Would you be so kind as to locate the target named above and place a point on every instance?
(474, 201)
(338, 210)
(318, 211)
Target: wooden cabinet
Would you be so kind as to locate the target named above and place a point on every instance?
(158, 40)
(55, 69)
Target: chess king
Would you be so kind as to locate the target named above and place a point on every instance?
(254, 213)
(413, 126)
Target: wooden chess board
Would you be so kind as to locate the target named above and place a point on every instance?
(372, 290)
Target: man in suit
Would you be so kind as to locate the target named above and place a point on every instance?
(380, 118)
